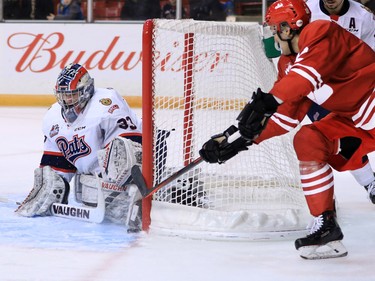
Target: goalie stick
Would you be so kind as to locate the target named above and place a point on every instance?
(139, 180)
(89, 214)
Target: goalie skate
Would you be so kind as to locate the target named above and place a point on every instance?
(324, 240)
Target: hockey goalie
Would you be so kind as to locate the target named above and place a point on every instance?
(93, 136)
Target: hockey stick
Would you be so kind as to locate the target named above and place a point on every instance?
(139, 180)
(141, 184)
(88, 214)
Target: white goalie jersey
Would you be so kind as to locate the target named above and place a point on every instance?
(72, 147)
(354, 17)
(93, 134)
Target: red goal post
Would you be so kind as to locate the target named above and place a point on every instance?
(197, 76)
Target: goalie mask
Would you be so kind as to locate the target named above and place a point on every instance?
(294, 14)
(74, 88)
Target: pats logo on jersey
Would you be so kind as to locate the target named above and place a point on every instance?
(73, 149)
(54, 130)
(106, 101)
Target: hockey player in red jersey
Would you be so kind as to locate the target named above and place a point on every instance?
(358, 20)
(355, 18)
(334, 69)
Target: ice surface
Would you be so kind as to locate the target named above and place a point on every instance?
(57, 249)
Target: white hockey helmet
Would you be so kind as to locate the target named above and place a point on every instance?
(74, 88)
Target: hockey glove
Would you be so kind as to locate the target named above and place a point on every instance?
(218, 149)
(254, 117)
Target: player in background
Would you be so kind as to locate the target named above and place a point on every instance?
(88, 133)
(351, 15)
(355, 18)
(334, 69)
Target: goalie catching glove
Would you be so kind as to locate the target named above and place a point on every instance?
(219, 150)
(255, 115)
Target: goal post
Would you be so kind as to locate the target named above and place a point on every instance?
(197, 76)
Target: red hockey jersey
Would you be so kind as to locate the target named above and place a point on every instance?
(340, 77)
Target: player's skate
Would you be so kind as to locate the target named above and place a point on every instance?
(324, 240)
(371, 191)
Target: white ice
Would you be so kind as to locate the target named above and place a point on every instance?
(51, 249)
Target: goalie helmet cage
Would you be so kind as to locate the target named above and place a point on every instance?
(197, 76)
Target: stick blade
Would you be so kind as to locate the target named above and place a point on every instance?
(139, 180)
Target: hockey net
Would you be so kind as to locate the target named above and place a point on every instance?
(197, 76)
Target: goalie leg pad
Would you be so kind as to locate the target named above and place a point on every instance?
(125, 208)
(117, 159)
(134, 215)
(49, 188)
(122, 204)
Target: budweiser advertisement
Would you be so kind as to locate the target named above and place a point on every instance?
(34, 54)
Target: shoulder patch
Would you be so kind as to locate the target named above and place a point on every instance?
(54, 130)
(106, 101)
(113, 108)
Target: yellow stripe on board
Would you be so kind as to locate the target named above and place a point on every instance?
(27, 100)
(48, 100)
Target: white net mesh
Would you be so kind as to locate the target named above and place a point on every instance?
(203, 73)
